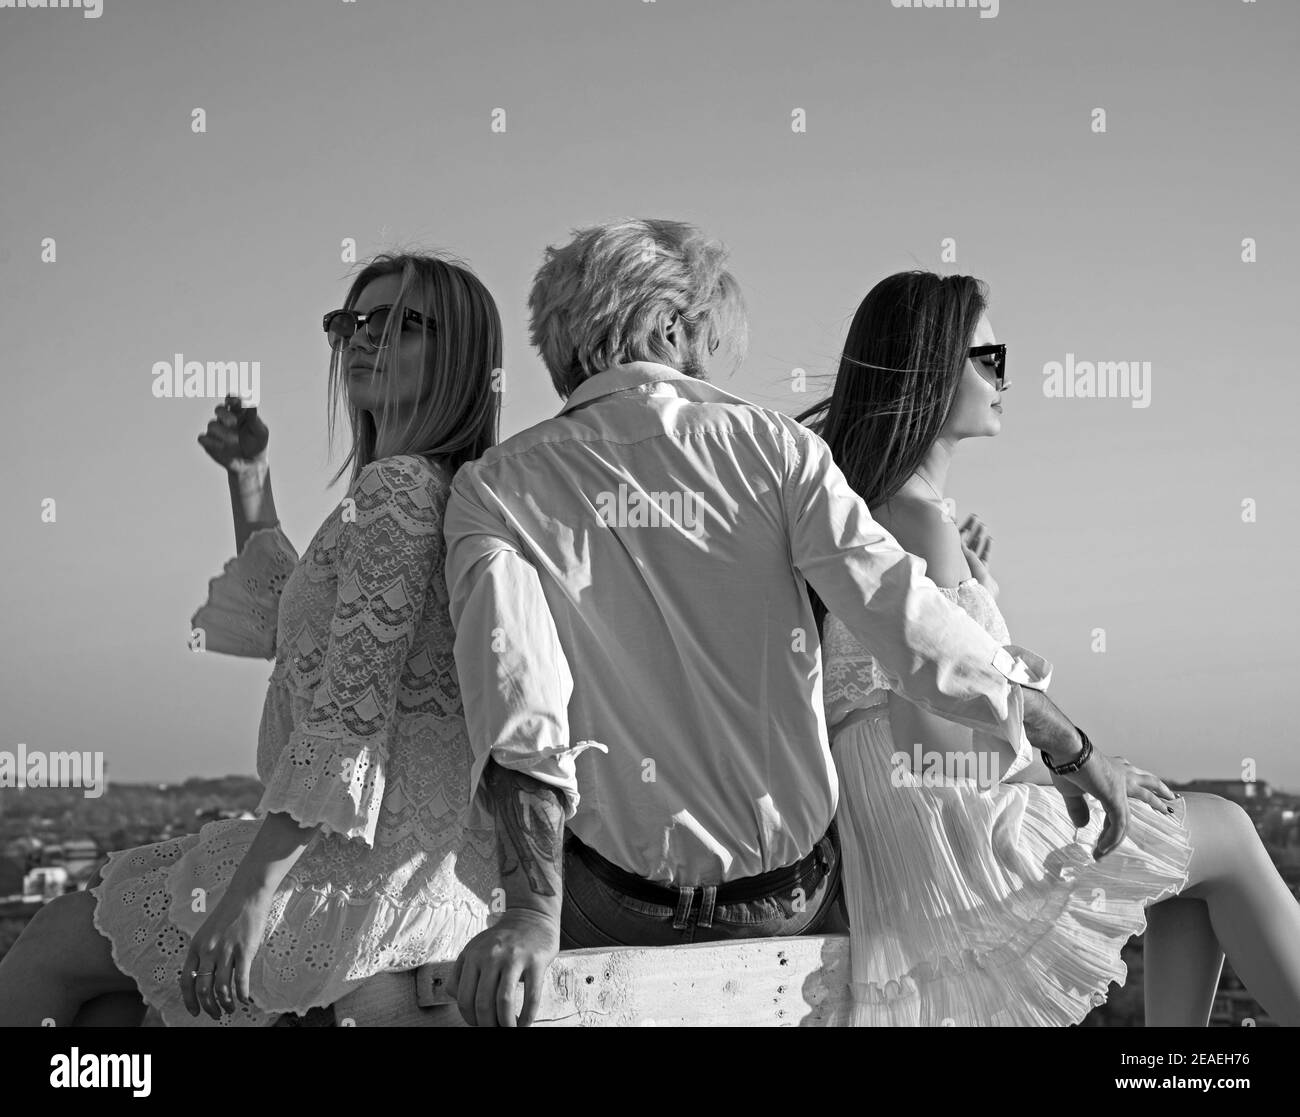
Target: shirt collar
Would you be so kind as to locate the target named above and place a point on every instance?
(620, 378)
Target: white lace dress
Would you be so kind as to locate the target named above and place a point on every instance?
(970, 906)
(362, 734)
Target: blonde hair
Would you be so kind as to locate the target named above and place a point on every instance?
(458, 416)
(615, 292)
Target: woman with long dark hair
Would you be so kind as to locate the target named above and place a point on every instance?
(369, 852)
(973, 895)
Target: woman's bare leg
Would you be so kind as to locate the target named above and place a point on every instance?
(1254, 916)
(59, 963)
(1182, 964)
(112, 1010)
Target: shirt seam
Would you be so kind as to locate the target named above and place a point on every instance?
(480, 467)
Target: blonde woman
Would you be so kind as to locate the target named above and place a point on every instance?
(369, 852)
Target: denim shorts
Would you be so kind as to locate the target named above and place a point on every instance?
(597, 914)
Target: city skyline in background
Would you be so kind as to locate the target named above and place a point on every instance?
(922, 129)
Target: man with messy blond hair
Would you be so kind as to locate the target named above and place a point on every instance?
(643, 694)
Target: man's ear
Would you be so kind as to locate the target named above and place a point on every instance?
(670, 330)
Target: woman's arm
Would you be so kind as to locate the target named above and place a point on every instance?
(251, 501)
(218, 965)
(236, 439)
(279, 843)
(925, 531)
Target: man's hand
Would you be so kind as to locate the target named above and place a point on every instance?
(526, 939)
(1147, 786)
(1105, 781)
(1049, 730)
(523, 943)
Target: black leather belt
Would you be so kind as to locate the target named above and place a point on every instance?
(807, 873)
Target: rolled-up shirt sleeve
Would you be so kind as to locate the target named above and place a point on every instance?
(514, 678)
(932, 651)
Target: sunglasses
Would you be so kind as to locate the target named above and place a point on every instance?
(980, 354)
(341, 325)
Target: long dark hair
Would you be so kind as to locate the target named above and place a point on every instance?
(458, 417)
(898, 376)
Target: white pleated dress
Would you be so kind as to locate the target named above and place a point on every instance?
(362, 735)
(974, 907)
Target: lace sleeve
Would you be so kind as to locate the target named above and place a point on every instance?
(331, 772)
(243, 605)
(854, 678)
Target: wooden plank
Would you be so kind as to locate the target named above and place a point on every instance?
(388, 1000)
(779, 982)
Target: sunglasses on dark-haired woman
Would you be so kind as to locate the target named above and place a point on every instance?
(994, 356)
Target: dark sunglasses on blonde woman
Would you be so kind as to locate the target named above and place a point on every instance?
(341, 325)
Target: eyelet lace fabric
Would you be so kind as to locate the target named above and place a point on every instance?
(853, 679)
(362, 734)
(971, 906)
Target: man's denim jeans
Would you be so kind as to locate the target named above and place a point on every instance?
(596, 914)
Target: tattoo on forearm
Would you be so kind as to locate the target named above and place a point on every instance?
(531, 838)
(1045, 725)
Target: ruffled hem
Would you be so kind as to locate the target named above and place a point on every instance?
(1034, 945)
(314, 793)
(242, 609)
(319, 944)
(118, 960)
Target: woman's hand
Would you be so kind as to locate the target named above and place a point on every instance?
(975, 545)
(236, 436)
(236, 440)
(221, 953)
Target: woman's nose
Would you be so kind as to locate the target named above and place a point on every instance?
(360, 341)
